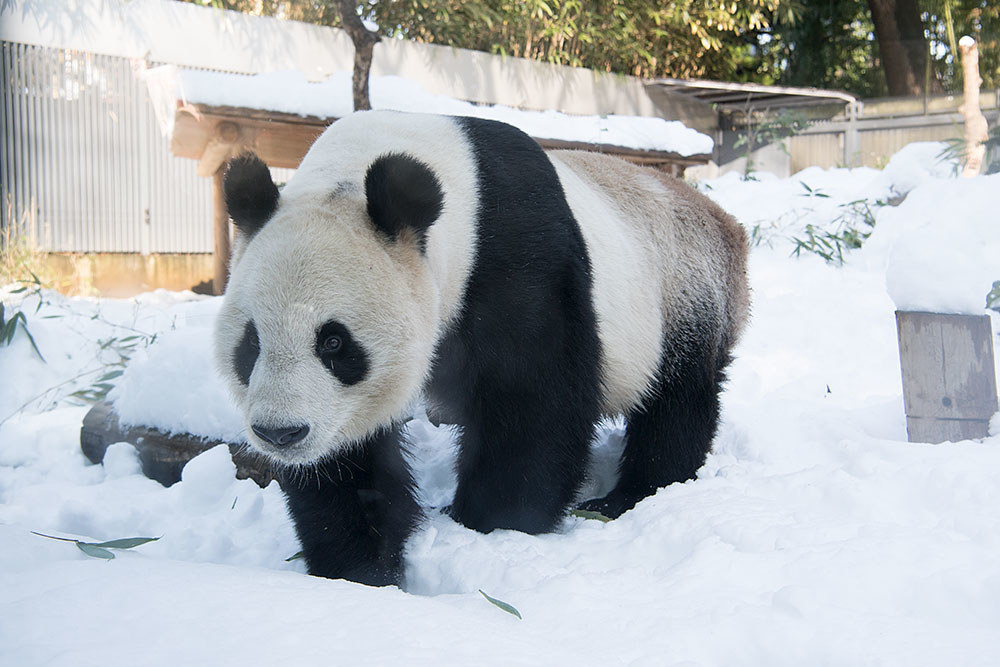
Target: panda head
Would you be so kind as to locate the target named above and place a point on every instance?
(327, 329)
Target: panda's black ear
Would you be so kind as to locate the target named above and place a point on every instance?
(403, 194)
(251, 195)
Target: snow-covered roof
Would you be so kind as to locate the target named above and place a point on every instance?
(291, 92)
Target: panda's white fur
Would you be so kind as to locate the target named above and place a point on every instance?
(327, 201)
(630, 320)
(643, 269)
(550, 289)
(303, 269)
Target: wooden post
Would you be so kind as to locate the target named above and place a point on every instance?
(220, 215)
(949, 378)
(223, 144)
(975, 123)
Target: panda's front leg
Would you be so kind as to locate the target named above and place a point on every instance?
(521, 461)
(353, 513)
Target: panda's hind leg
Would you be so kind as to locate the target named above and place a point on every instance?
(668, 436)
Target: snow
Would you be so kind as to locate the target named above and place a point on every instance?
(938, 247)
(814, 534)
(943, 259)
(291, 92)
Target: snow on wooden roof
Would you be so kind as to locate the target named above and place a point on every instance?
(291, 93)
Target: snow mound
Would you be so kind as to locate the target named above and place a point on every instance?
(918, 163)
(173, 386)
(943, 245)
(783, 213)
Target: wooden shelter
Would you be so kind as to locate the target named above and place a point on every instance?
(213, 134)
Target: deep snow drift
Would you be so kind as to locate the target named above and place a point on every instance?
(814, 534)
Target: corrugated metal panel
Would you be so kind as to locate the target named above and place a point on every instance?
(84, 167)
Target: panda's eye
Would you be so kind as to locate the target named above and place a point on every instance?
(337, 349)
(332, 344)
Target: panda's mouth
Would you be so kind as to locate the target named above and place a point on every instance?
(290, 446)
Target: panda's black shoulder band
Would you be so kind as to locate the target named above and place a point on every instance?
(403, 194)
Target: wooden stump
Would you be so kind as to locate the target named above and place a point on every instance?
(949, 377)
(161, 455)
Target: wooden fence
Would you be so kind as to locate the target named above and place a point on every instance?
(880, 128)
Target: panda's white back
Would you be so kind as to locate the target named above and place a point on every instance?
(628, 305)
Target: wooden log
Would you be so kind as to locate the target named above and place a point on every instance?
(161, 455)
(949, 377)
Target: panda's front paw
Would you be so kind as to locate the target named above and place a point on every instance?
(612, 505)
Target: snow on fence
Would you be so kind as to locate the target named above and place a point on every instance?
(84, 166)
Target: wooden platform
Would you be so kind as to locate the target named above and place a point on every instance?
(161, 455)
(949, 376)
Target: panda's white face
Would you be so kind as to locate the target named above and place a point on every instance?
(327, 329)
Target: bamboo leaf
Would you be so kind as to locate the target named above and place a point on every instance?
(588, 514)
(53, 537)
(31, 339)
(510, 609)
(993, 298)
(296, 556)
(95, 551)
(123, 543)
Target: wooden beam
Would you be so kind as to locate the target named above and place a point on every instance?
(282, 139)
(219, 149)
(278, 143)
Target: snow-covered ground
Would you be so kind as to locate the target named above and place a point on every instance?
(814, 534)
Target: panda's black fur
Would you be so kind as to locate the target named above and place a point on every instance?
(518, 369)
(524, 444)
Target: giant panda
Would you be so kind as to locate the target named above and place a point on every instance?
(520, 295)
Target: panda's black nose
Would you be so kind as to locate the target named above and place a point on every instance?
(281, 436)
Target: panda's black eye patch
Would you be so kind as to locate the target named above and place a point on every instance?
(338, 351)
(247, 351)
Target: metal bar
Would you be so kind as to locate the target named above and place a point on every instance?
(682, 85)
(6, 165)
(896, 123)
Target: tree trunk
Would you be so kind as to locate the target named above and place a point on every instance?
(976, 128)
(364, 45)
(902, 45)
